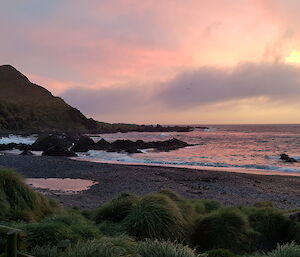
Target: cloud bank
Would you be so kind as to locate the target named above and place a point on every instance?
(274, 82)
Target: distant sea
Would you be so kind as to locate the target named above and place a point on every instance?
(241, 147)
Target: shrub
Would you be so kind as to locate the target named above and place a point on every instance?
(155, 248)
(18, 201)
(220, 253)
(104, 247)
(288, 250)
(272, 225)
(157, 217)
(117, 209)
(227, 228)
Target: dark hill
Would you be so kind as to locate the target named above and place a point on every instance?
(27, 107)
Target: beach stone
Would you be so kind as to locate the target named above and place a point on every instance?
(287, 158)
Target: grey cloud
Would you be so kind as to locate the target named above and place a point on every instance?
(105, 100)
(277, 81)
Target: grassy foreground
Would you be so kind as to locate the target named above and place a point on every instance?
(161, 224)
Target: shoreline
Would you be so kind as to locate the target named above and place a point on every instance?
(230, 188)
(198, 168)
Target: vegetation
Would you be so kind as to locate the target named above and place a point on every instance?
(162, 224)
(35, 109)
(18, 202)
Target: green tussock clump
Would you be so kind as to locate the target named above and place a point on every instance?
(117, 209)
(111, 229)
(287, 250)
(294, 232)
(157, 217)
(271, 224)
(55, 229)
(156, 248)
(19, 202)
(227, 228)
(205, 206)
(46, 251)
(186, 208)
(220, 253)
(105, 247)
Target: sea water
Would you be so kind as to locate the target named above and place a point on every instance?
(221, 146)
(242, 147)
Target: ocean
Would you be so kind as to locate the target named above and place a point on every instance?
(221, 146)
(231, 147)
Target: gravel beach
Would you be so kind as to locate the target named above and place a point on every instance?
(113, 179)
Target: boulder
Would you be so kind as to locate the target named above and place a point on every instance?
(5, 147)
(102, 145)
(124, 146)
(84, 144)
(287, 158)
(27, 152)
(59, 151)
(45, 142)
(140, 144)
(169, 145)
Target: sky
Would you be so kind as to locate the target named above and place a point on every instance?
(168, 62)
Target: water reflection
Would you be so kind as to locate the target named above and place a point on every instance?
(64, 185)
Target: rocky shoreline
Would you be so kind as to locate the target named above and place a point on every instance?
(113, 179)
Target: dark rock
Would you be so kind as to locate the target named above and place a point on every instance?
(124, 145)
(23, 147)
(84, 144)
(5, 147)
(168, 145)
(45, 142)
(140, 144)
(26, 152)
(287, 158)
(59, 151)
(102, 145)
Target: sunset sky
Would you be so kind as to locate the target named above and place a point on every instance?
(170, 61)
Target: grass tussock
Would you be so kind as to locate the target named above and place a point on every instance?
(19, 202)
(156, 216)
(121, 246)
(151, 248)
(226, 228)
(117, 209)
(272, 226)
(152, 225)
(57, 228)
(287, 250)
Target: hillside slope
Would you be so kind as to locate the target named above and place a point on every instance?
(25, 106)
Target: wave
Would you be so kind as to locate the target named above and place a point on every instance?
(103, 156)
(18, 139)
